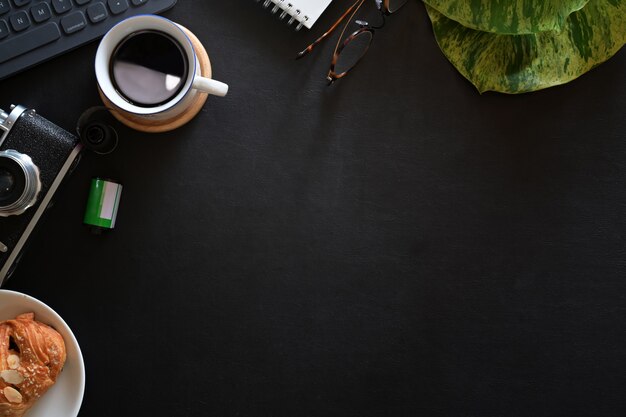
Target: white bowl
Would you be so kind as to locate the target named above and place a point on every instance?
(64, 398)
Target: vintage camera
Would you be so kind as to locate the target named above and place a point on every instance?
(35, 157)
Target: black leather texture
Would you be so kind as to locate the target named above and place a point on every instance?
(395, 244)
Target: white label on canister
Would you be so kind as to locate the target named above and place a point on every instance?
(109, 201)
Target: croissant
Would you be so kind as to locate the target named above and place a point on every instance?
(32, 355)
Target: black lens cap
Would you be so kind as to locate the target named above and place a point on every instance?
(96, 131)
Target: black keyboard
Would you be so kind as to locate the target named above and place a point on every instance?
(32, 31)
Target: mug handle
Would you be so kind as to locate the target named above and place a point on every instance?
(210, 86)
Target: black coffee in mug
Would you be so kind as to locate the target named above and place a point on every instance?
(148, 68)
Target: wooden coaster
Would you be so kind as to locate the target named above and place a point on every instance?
(156, 126)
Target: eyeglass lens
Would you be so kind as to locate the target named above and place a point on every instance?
(394, 5)
(353, 51)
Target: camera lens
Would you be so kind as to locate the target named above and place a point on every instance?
(19, 183)
(12, 181)
(7, 184)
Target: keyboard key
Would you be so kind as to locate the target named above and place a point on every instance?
(4, 6)
(20, 3)
(118, 6)
(20, 21)
(139, 2)
(33, 39)
(4, 29)
(62, 6)
(40, 12)
(81, 2)
(73, 22)
(97, 12)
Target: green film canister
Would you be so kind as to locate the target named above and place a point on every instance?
(102, 205)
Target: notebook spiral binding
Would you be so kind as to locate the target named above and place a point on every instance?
(286, 8)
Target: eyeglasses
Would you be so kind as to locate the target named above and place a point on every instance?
(348, 53)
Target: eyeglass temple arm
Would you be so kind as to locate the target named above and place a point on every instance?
(329, 31)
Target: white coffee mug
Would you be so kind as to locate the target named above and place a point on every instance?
(192, 84)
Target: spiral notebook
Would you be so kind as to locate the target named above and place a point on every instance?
(300, 12)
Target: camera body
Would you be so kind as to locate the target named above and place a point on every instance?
(35, 157)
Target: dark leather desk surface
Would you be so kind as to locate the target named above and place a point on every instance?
(394, 245)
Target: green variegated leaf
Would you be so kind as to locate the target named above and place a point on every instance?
(523, 63)
(510, 17)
